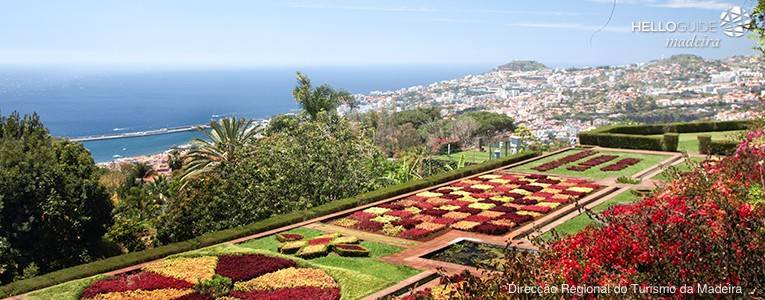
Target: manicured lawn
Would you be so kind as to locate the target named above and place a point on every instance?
(581, 221)
(646, 161)
(471, 156)
(682, 167)
(388, 273)
(689, 142)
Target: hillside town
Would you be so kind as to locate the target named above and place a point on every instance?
(559, 103)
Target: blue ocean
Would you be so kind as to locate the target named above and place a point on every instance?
(82, 102)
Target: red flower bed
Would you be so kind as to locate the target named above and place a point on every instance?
(564, 160)
(491, 229)
(362, 216)
(592, 162)
(368, 225)
(245, 267)
(477, 218)
(621, 165)
(415, 234)
(504, 209)
(399, 213)
(469, 210)
(536, 208)
(445, 221)
(320, 241)
(140, 281)
(289, 294)
(516, 218)
(408, 223)
(434, 212)
(525, 201)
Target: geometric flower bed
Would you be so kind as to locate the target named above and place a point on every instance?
(592, 162)
(322, 245)
(564, 160)
(245, 276)
(488, 204)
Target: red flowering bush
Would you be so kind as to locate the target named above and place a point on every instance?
(704, 228)
(245, 267)
(491, 229)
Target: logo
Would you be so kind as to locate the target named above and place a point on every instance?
(734, 20)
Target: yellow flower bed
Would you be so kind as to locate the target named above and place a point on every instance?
(161, 294)
(530, 213)
(430, 194)
(581, 189)
(482, 186)
(413, 210)
(449, 207)
(544, 185)
(500, 181)
(503, 222)
(345, 222)
(191, 269)
(376, 210)
(465, 225)
(433, 227)
(490, 176)
(562, 196)
(535, 198)
(552, 191)
(469, 199)
(491, 214)
(385, 219)
(481, 206)
(437, 201)
(288, 278)
(463, 193)
(502, 198)
(549, 204)
(456, 215)
(521, 191)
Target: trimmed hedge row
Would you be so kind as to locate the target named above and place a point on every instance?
(209, 239)
(636, 136)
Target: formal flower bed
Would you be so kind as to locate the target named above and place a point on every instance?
(592, 162)
(245, 276)
(323, 245)
(564, 160)
(488, 204)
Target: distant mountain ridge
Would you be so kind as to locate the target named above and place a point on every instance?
(522, 66)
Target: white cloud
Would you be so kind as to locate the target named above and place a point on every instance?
(697, 4)
(363, 8)
(692, 4)
(568, 26)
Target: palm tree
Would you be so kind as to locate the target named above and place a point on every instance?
(228, 140)
(321, 98)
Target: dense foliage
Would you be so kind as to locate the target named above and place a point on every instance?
(54, 211)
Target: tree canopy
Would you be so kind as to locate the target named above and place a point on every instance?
(49, 190)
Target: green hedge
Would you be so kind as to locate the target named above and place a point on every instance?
(722, 147)
(705, 143)
(126, 260)
(637, 136)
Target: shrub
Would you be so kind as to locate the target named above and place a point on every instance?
(705, 143)
(627, 180)
(288, 237)
(722, 147)
(352, 250)
(670, 141)
(215, 287)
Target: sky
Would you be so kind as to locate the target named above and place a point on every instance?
(251, 33)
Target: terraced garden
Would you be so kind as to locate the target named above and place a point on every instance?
(351, 255)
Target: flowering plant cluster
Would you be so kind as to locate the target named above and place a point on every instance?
(489, 204)
(705, 228)
(253, 276)
(592, 162)
(564, 160)
(322, 245)
(621, 164)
